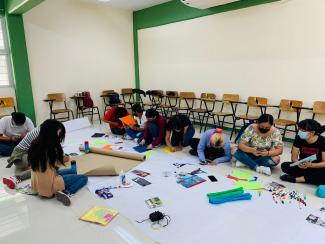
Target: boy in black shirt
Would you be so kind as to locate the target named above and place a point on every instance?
(179, 132)
(308, 142)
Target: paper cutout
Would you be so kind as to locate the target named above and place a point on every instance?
(190, 181)
(141, 148)
(107, 147)
(249, 185)
(166, 150)
(99, 215)
(128, 120)
(98, 143)
(148, 154)
(242, 174)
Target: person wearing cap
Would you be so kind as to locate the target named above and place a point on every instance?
(113, 115)
(212, 148)
(12, 130)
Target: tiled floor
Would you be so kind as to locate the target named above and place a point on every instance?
(29, 219)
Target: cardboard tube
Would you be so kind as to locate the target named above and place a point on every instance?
(120, 154)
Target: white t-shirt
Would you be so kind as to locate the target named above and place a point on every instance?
(141, 121)
(8, 129)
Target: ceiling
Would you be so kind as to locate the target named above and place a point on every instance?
(129, 4)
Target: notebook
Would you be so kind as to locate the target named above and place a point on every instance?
(99, 215)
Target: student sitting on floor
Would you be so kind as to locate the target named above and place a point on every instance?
(212, 148)
(154, 129)
(19, 158)
(46, 156)
(137, 131)
(179, 132)
(260, 145)
(12, 130)
(113, 114)
(308, 142)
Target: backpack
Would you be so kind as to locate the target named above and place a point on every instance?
(87, 101)
(241, 131)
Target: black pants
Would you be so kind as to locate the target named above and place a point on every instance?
(210, 153)
(118, 131)
(312, 176)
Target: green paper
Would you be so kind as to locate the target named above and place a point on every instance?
(148, 154)
(249, 185)
(221, 194)
(242, 174)
(98, 143)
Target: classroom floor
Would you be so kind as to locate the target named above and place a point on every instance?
(28, 219)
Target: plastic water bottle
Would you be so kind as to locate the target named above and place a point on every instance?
(86, 147)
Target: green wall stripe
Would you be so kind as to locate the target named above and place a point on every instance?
(2, 7)
(176, 11)
(136, 55)
(19, 58)
(21, 6)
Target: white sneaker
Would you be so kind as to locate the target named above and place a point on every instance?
(240, 164)
(263, 170)
(63, 197)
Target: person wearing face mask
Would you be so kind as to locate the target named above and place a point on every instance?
(12, 130)
(179, 132)
(212, 148)
(308, 142)
(260, 145)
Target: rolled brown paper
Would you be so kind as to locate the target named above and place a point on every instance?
(120, 154)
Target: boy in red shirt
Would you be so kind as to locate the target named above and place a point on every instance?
(113, 114)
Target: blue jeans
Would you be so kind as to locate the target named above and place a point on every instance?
(72, 181)
(134, 134)
(178, 139)
(153, 133)
(6, 147)
(253, 163)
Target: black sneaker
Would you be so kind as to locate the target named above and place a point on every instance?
(63, 197)
(193, 152)
(288, 178)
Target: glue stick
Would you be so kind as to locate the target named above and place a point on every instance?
(86, 147)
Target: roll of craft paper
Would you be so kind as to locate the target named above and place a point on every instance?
(119, 154)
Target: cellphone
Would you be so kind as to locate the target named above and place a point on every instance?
(212, 178)
(260, 149)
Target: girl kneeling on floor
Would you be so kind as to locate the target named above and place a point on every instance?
(46, 156)
(307, 143)
(212, 148)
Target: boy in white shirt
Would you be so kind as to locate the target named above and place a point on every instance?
(12, 130)
(136, 132)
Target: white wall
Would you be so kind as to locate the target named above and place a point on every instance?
(275, 50)
(76, 46)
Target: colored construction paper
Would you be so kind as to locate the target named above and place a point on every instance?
(166, 150)
(99, 215)
(128, 120)
(242, 174)
(98, 143)
(148, 154)
(107, 147)
(141, 148)
(249, 185)
(231, 192)
(244, 196)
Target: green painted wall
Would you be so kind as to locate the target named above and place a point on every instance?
(21, 6)
(176, 11)
(19, 58)
(2, 7)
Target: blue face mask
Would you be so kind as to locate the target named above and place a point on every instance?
(303, 135)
